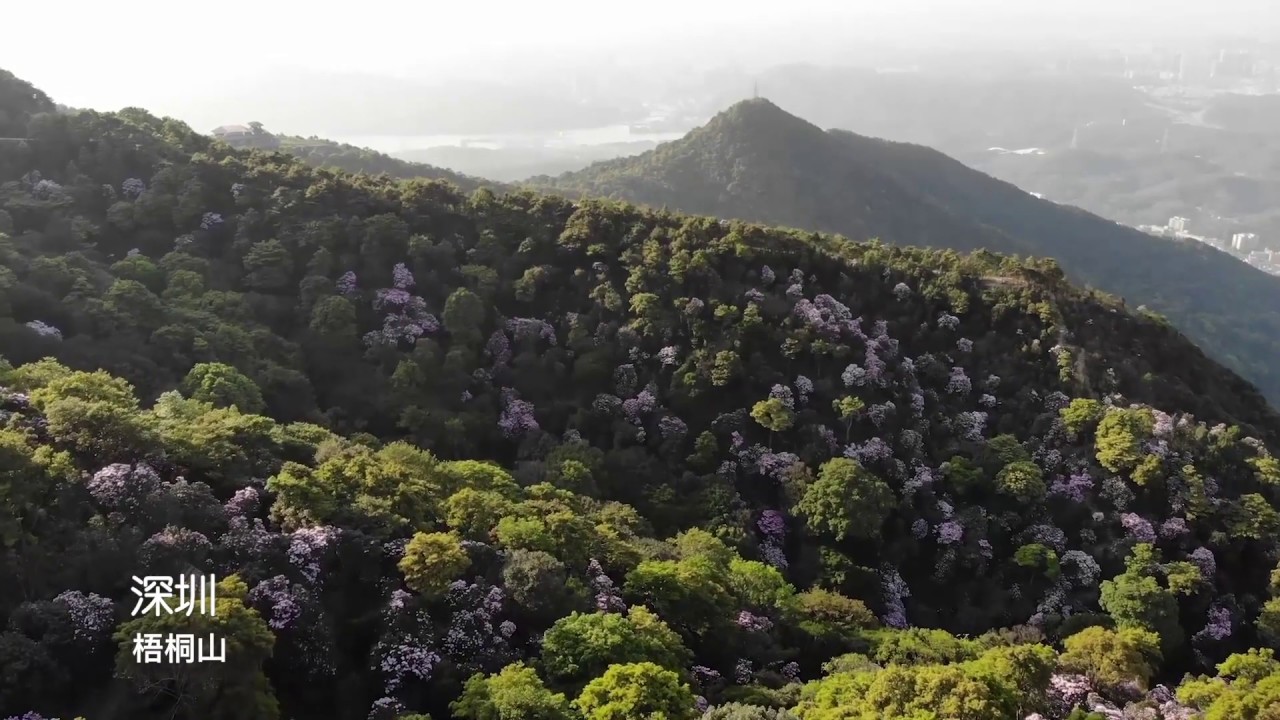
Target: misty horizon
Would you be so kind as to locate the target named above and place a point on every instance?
(398, 49)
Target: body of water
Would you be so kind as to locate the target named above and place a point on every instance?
(566, 138)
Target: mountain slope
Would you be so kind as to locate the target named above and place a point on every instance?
(476, 455)
(757, 162)
(319, 152)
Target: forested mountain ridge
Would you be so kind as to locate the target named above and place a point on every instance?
(319, 152)
(589, 461)
(755, 161)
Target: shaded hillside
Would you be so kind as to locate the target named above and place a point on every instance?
(327, 153)
(511, 456)
(758, 162)
(319, 152)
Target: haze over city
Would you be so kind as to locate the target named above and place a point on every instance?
(210, 63)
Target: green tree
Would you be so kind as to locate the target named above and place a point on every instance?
(636, 691)
(1247, 688)
(846, 501)
(95, 415)
(536, 581)
(268, 266)
(394, 489)
(1119, 436)
(1136, 599)
(772, 415)
(689, 594)
(223, 386)
(1023, 480)
(514, 693)
(582, 646)
(1081, 414)
(1112, 657)
(432, 561)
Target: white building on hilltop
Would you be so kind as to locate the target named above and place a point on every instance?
(1178, 224)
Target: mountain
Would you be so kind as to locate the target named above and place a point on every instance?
(506, 455)
(319, 152)
(757, 162)
(515, 163)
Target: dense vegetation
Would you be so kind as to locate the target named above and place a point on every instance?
(506, 457)
(319, 152)
(756, 162)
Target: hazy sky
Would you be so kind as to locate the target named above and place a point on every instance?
(164, 54)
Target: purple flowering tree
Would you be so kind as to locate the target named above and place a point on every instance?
(773, 533)
(895, 592)
(958, 383)
(531, 330)
(1138, 527)
(751, 622)
(346, 284)
(44, 329)
(244, 503)
(606, 593)
(308, 548)
(120, 486)
(1218, 626)
(950, 532)
(971, 425)
(636, 408)
(279, 601)
(132, 188)
(776, 465)
(1075, 487)
(517, 418)
(475, 640)
(211, 221)
(404, 315)
(92, 616)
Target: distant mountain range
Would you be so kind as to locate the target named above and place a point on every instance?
(757, 162)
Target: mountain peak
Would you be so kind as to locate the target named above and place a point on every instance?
(758, 114)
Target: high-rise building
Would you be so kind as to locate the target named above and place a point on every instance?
(1244, 242)
(1178, 224)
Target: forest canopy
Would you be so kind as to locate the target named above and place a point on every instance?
(513, 456)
